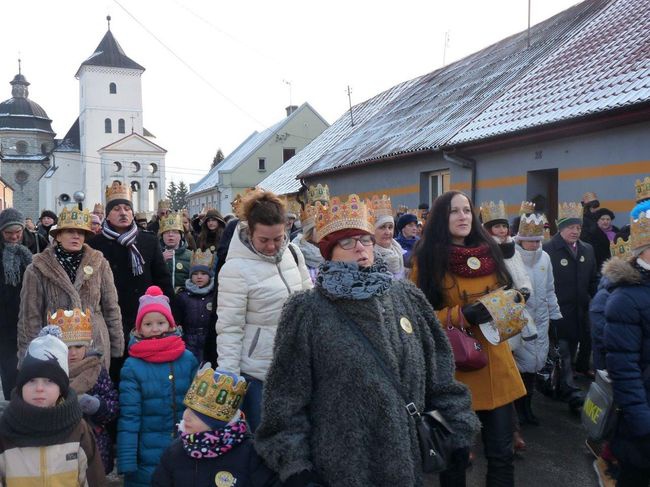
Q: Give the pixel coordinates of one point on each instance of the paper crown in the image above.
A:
(620, 248)
(164, 205)
(319, 192)
(642, 189)
(236, 202)
(308, 217)
(493, 211)
(379, 207)
(141, 215)
(526, 207)
(508, 316)
(339, 215)
(531, 227)
(589, 196)
(201, 258)
(569, 210)
(640, 231)
(73, 220)
(98, 208)
(76, 327)
(172, 221)
(218, 399)
(292, 205)
(118, 191)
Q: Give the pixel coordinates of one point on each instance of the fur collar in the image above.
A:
(47, 265)
(621, 272)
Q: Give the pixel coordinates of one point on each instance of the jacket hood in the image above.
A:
(621, 272)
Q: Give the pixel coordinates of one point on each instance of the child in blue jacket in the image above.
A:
(153, 382)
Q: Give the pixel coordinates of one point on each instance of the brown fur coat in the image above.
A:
(47, 287)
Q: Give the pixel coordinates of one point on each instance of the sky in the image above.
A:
(217, 71)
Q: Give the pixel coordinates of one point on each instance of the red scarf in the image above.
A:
(158, 350)
(463, 261)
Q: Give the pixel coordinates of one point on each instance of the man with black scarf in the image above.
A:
(14, 261)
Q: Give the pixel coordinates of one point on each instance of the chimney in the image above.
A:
(290, 109)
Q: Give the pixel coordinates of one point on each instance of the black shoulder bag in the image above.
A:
(434, 434)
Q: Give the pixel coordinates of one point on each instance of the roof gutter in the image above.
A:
(456, 157)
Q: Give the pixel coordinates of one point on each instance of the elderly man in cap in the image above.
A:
(14, 259)
(134, 255)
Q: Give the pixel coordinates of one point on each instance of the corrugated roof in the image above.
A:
(604, 66)
(109, 53)
(435, 107)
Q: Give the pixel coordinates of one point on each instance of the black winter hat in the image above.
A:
(49, 213)
(603, 211)
(405, 219)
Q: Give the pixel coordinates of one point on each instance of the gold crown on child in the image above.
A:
(491, 211)
(640, 231)
(339, 215)
(218, 399)
(380, 206)
(642, 189)
(76, 327)
(620, 248)
(200, 257)
(531, 227)
(173, 221)
(118, 191)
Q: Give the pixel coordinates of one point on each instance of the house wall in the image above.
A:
(607, 162)
(65, 180)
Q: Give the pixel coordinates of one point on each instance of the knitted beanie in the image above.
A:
(327, 243)
(565, 222)
(11, 217)
(47, 356)
(404, 220)
(154, 301)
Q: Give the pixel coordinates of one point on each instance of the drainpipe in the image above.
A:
(465, 162)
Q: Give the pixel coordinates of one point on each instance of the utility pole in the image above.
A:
(350, 102)
(444, 48)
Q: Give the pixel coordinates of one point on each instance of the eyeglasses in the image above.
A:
(351, 242)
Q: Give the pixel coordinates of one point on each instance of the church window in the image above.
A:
(287, 154)
(153, 168)
(120, 126)
(108, 126)
(112, 88)
(117, 166)
(21, 177)
(261, 164)
(135, 166)
(21, 147)
(43, 148)
(135, 186)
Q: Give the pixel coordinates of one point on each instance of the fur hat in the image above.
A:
(154, 301)
(603, 211)
(49, 213)
(46, 356)
(11, 217)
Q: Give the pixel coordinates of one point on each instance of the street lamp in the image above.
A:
(79, 197)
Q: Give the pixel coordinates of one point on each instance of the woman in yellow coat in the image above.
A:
(457, 263)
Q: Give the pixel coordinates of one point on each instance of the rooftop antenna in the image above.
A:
(528, 41)
(444, 48)
(350, 102)
(288, 83)
(19, 70)
(108, 19)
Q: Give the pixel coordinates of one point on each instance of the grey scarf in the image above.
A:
(244, 236)
(346, 280)
(392, 256)
(15, 258)
(311, 252)
(199, 291)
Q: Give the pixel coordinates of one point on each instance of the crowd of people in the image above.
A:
(270, 348)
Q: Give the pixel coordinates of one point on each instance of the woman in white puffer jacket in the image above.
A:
(261, 270)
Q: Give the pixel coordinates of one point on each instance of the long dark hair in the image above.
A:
(432, 251)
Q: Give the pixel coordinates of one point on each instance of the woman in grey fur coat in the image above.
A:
(330, 415)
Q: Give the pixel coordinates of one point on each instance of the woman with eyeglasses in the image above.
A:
(261, 271)
(332, 414)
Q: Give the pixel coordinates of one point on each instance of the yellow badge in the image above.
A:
(564, 262)
(209, 306)
(224, 479)
(473, 263)
(179, 266)
(406, 325)
(582, 258)
(88, 270)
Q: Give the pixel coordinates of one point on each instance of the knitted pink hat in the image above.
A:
(154, 301)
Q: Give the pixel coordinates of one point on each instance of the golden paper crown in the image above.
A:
(118, 191)
(318, 193)
(339, 215)
(642, 189)
(164, 205)
(508, 317)
(172, 221)
(526, 207)
(379, 207)
(292, 205)
(75, 325)
(640, 231)
(569, 210)
(531, 227)
(589, 196)
(200, 257)
(218, 399)
(491, 211)
(99, 208)
(620, 248)
(73, 219)
(308, 217)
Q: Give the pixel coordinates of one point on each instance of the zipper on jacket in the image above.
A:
(256, 338)
(282, 277)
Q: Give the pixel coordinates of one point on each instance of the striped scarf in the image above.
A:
(127, 239)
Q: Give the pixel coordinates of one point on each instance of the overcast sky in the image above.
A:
(218, 70)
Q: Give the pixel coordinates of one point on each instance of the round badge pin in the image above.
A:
(179, 266)
(224, 479)
(208, 306)
(474, 263)
(564, 262)
(88, 270)
(406, 325)
(582, 258)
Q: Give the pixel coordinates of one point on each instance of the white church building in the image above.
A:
(108, 141)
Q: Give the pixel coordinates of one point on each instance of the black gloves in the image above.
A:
(306, 478)
(476, 313)
(525, 292)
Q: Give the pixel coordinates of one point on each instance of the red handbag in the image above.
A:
(468, 352)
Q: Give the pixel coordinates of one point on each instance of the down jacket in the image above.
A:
(627, 341)
(252, 289)
(151, 405)
(541, 306)
(47, 287)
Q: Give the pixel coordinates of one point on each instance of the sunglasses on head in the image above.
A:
(351, 242)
